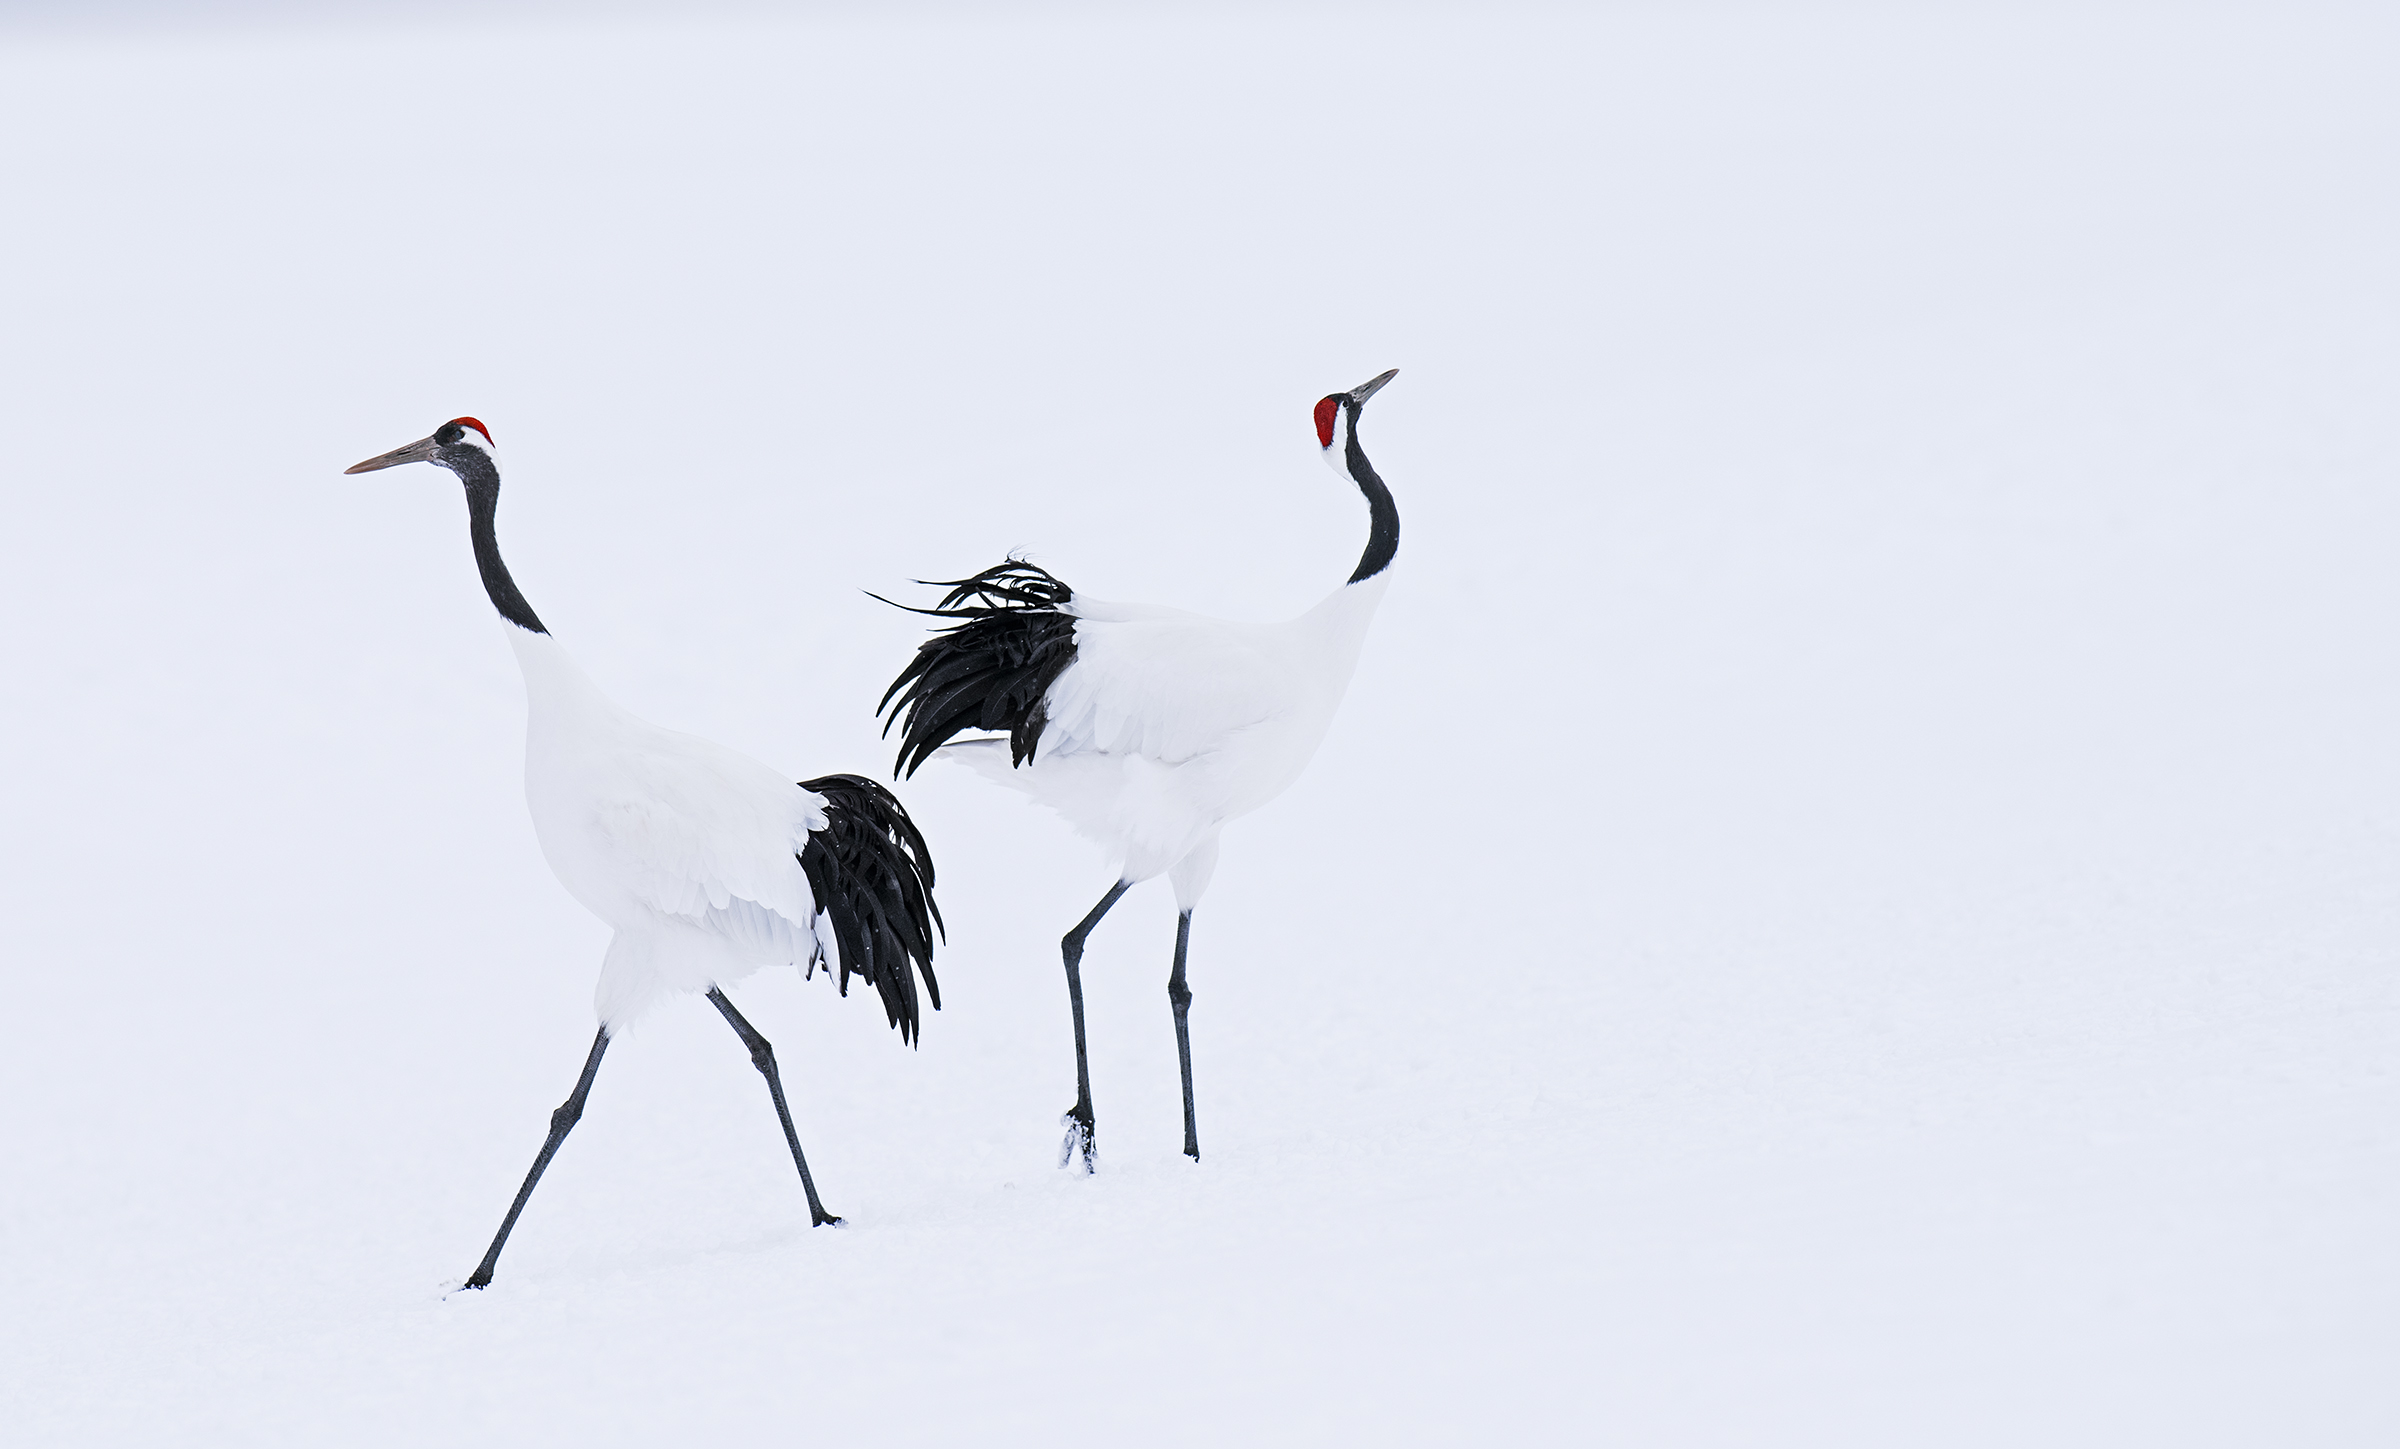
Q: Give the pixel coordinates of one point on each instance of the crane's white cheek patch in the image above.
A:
(1336, 452)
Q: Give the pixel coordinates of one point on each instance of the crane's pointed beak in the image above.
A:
(420, 451)
(1367, 389)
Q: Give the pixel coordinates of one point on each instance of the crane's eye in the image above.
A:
(1327, 408)
(476, 425)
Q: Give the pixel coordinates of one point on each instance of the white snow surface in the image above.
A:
(1854, 898)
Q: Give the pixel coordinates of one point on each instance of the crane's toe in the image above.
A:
(1078, 1122)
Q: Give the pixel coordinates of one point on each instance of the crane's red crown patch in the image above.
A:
(1326, 408)
(478, 427)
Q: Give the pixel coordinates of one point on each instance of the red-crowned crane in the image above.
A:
(1147, 728)
(706, 863)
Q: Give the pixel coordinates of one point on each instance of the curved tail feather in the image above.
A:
(990, 669)
(873, 880)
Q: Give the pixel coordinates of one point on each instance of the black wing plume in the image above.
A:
(873, 879)
(989, 670)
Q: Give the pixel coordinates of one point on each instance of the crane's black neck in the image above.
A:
(1383, 516)
(483, 503)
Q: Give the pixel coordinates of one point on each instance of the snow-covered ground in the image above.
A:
(1854, 901)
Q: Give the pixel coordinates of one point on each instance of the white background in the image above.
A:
(1854, 898)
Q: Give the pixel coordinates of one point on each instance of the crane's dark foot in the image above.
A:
(1078, 1122)
(1192, 1151)
(480, 1278)
(825, 1220)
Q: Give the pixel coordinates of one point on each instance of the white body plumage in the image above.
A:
(688, 850)
(1168, 724)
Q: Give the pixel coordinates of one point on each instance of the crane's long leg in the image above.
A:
(1180, 997)
(1078, 1118)
(562, 1122)
(762, 1056)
